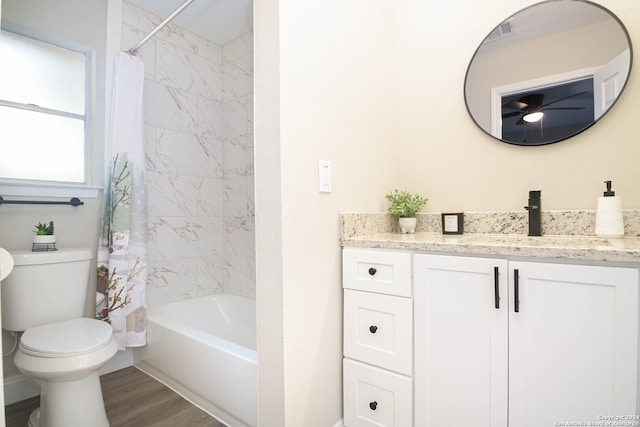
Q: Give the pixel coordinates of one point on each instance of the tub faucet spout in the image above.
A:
(534, 208)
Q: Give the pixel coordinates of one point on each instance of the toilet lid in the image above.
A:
(67, 338)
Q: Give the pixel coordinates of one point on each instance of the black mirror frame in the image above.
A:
(611, 14)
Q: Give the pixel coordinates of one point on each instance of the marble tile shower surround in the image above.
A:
(557, 223)
(199, 142)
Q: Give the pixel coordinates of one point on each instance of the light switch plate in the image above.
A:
(324, 176)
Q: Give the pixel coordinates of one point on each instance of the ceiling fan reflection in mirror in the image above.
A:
(543, 115)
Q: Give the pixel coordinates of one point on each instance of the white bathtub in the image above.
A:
(205, 350)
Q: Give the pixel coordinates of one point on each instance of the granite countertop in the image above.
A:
(566, 247)
(566, 235)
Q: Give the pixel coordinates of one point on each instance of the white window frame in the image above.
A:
(37, 188)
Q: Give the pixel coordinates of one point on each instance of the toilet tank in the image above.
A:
(45, 287)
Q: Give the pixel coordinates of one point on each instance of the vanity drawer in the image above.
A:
(378, 330)
(375, 397)
(384, 272)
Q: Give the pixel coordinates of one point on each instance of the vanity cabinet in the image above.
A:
(378, 338)
(509, 343)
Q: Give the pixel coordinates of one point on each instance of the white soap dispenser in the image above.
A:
(609, 215)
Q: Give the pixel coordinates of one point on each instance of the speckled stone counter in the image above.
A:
(566, 235)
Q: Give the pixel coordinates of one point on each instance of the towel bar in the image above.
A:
(73, 202)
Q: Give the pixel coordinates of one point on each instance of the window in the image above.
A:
(43, 121)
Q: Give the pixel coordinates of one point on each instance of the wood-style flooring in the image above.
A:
(132, 399)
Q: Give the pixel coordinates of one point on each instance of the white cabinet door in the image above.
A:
(573, 344)
(461, 354)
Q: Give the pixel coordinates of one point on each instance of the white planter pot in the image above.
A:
(407, 225)
(51, 238)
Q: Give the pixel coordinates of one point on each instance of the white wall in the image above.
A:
(323, 91)
(359, 83)
(460, 168)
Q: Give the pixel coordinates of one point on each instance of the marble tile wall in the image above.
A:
(238, 192)
(199, 147)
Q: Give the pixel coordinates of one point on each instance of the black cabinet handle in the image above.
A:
(496, 287)
(373, 405)
(516, 291)
(372, 271)
(373, 329)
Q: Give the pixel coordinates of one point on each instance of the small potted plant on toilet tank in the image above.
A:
(404, 206)
(44, 233)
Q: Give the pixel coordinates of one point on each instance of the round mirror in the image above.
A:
(548, 72)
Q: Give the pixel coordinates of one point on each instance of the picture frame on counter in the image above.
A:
(453, 223)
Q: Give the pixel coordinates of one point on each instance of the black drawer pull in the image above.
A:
(516, 291)
(496, 287)
(373, 329)
(373, 405)
(372, 271)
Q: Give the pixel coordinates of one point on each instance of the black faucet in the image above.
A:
(534, 208)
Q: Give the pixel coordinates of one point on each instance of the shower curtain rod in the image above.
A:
(175, 13)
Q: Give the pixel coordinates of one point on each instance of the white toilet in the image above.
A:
(45, 296)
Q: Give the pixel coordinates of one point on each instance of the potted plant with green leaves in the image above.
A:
(45, 233)
(404, 206)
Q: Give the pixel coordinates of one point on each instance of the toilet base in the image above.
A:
(34, 418)
(76, 403)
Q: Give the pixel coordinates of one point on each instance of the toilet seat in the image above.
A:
(67, 338)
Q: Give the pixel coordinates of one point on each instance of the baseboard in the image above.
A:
(18, 388)
(339, 424)
(209, 407)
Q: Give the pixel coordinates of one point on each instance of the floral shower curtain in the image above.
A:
(122, 248)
